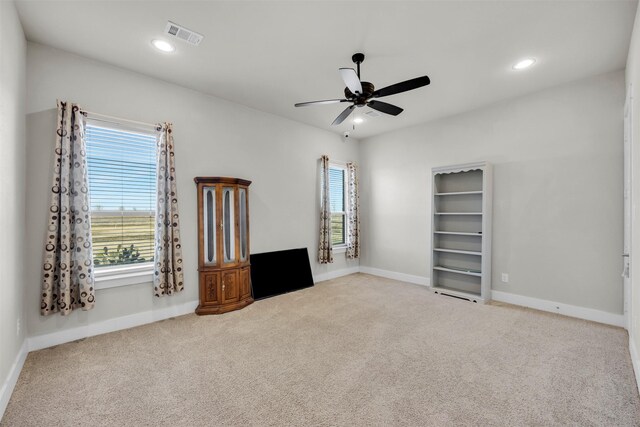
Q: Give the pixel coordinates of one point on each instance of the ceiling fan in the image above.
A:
(360, 93)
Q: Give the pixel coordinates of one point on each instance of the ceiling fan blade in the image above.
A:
(327, 101)
(343, 115)
(351, 79)
(385, 108)
(402, 87)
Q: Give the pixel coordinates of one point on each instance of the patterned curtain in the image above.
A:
(325, 251)
(68, 261)
(353, 212)
(167, 275)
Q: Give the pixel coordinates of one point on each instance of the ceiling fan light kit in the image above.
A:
(360, 93)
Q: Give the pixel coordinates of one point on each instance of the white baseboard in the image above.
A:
(418, 280)
(39, 342)
(335, 274)
(538, 304)
(560, 308)
(11, 380)
(635, 361)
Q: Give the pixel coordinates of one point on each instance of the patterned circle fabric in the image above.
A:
(353, 214)
(68, 260)
(325, 250)
(168, 275)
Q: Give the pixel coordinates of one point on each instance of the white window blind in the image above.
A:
(122, 187)
(337, 205)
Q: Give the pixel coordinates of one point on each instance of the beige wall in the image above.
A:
(213, 137)
(557, 225)
(633, 79)
(12, 186)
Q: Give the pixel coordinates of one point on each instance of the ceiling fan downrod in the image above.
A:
(358, 58)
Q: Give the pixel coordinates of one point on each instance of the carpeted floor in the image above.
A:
(359, 350)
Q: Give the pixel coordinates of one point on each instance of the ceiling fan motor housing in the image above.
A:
(360, 100)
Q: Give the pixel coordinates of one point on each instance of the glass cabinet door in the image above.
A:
(242, 194)
(228, 225)
(209, 224)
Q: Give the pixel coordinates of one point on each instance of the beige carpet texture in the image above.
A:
(358, 350)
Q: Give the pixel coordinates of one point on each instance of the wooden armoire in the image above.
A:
(223, 244)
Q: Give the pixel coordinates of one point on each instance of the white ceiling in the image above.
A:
(271, 54)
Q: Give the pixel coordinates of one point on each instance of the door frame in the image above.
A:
(628, 210)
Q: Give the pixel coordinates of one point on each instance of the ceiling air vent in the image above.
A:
(372, 113)
(183, 34)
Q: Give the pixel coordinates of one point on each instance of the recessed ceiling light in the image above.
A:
(358, 120)
(525, 63)
(162, 45)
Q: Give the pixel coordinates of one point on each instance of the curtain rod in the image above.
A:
(338, 162)
(119, 120)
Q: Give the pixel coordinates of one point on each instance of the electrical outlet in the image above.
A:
(18, 328)
(505, 277)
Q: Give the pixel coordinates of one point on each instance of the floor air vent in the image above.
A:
(456, 296)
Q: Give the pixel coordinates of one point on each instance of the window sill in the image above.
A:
(113, 277)
(339, 249)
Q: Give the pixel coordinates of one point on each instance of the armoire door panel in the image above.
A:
(230, 291)
(228, 225)
(245, 282)
(211, 286)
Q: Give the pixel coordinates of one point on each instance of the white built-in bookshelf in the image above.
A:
(461, 231)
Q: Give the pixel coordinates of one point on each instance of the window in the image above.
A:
(122, 188)
(337, 199)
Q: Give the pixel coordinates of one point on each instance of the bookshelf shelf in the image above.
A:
(459, 193)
